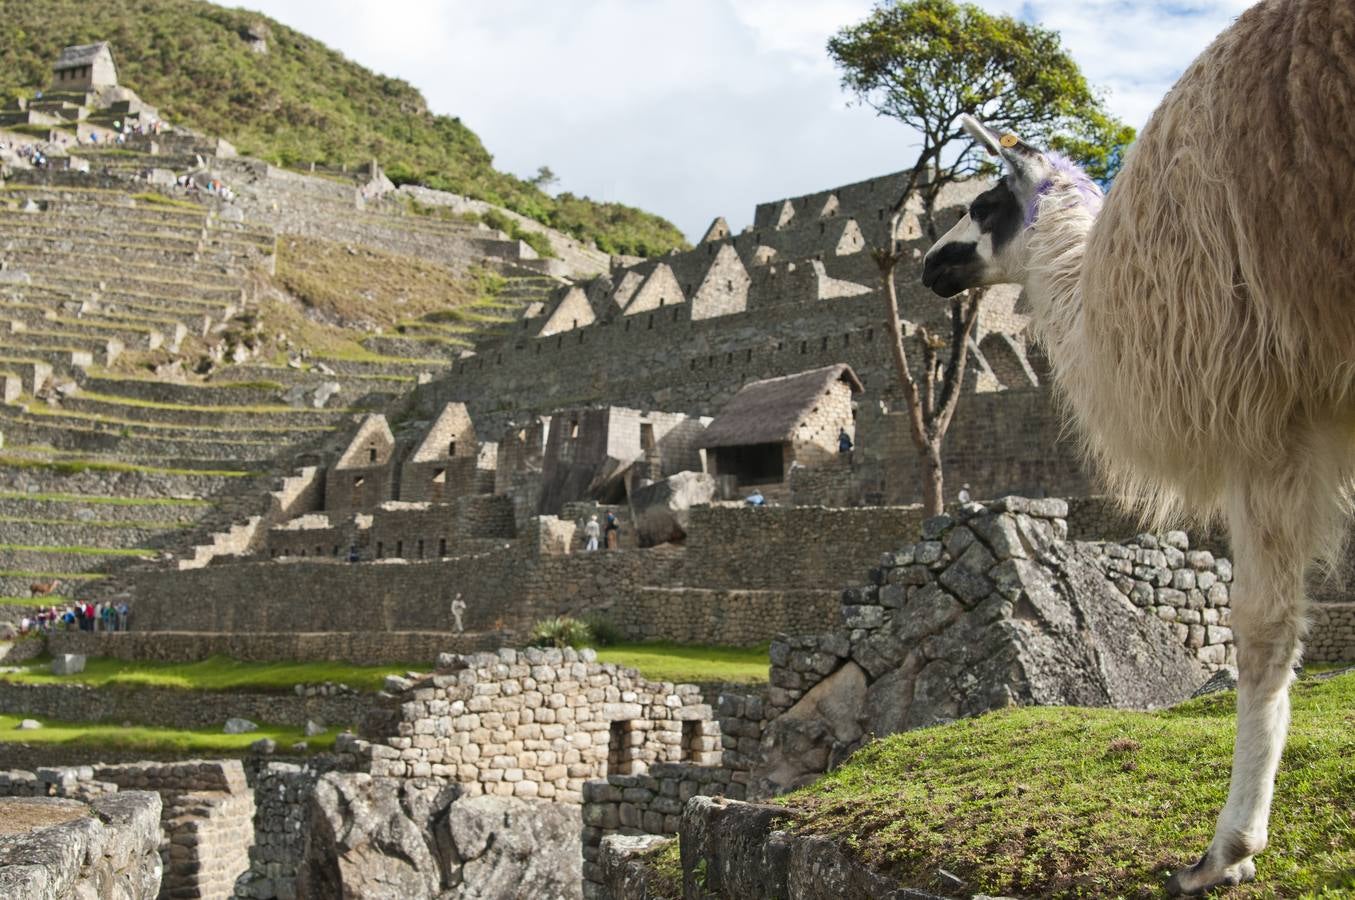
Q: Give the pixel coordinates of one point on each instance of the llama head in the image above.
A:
(988, 244)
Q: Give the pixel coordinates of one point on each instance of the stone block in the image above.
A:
(68, 664)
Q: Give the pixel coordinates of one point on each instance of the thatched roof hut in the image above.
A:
(771, 424)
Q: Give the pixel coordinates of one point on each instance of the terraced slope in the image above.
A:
(106, 463)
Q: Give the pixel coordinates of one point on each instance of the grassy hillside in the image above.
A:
(300, 102)
(1093, 803)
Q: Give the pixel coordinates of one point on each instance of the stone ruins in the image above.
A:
(732, 407)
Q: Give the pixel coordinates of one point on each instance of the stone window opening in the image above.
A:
(748, 355)
(691, 740)
(729, 284)
(582, 334)
(627, 328)
(273, 552)
(804, 346)
(336, 550)
(358, 481)
(559, 342)
(371, 454)
(302, 553)
(675, 313)
(821, 228)
(380, 550)
(870, 335)
(420, 548)
(400, 549)
(625, 740)
(651, 317)
(574, 429)
(880, 214)
(439, 483)
(442, 546)
(646, 436)
(319, 551)
(847, 340)
(824, 346)
(451, 451)
(729, 358)
(538, 349)
(693, 367)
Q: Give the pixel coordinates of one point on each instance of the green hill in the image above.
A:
(301, 102)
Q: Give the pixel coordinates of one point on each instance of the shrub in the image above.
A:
(605, 631)
(561, 632)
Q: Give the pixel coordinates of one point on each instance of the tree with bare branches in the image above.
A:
(926, 63)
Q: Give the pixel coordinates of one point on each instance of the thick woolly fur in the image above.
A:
(1202, 333)
(1208, 337)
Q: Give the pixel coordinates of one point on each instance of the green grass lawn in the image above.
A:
(664, 661)
(154, 740)
(214, 674)
(1054, 802)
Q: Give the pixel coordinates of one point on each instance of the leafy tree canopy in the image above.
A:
(298, 103)
(925, 62)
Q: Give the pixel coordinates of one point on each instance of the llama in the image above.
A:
(43, 588)
(1198, 325)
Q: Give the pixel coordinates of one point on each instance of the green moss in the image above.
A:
(161, 200)
(664, 661)
(99, 500)
(73, 551)
(1065, 803)
(76, 466)
(217, 673)
(153, 740)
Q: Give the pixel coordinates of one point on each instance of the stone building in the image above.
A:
(448, 462)
(775, 423)
(361, 477)
(84, 67)
(594, 454)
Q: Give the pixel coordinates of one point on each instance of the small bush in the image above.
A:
(561, 632)
(605, 631)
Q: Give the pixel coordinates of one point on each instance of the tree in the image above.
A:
(926, 63)
(544, 178)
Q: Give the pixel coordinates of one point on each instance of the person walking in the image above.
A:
(592, 531)
(612, 532)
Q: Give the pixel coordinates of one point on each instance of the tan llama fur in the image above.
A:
(1201, 330)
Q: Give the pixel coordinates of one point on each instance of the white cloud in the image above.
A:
(698, 108)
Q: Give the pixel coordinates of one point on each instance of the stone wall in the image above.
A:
(1332, 635)
(106, 847)
(724, 617)
(170, 708)
(281, 794)
(537, 724)
(780, 548)
(205, 815)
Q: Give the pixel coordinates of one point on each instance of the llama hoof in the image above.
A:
(1201, 878)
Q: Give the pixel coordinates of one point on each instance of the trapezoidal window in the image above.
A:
(439, 484)
(694, 742)
(371, 454)
(358, 482)
(646, 436)
(420, 550)
(442, 546)
(451, 448)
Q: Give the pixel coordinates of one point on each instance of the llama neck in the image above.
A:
(1056, 244)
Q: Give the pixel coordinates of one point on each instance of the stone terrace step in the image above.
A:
(134, 514)
(217, 292)
(214, 416)
(15, 583)
(45, 470)
(62, 331)
(20, 558)
(36, 415)
(225, 452)
(31, 531)
(227, 392)
(101, 350)
(61, 359)
(34, 372)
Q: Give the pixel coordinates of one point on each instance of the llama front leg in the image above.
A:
(1267, 606)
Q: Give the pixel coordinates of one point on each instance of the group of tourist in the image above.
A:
(192, 185)
(26, 150)
(593, 531)
(81, 615)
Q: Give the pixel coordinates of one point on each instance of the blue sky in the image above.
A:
(699, 108)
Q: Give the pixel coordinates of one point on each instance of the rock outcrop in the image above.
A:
(660, 509)
(59, 849)
(407, 839)
(992, 608)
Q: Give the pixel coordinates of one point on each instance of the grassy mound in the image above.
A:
(299, 103)
(1054, 802)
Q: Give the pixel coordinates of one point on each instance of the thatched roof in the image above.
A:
(768, 412)
(80, 55)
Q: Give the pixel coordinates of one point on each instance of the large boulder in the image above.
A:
(413, 839)
(495, 847)
(661, 509)
(817, 732)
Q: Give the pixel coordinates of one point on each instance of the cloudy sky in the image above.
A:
(698, 108)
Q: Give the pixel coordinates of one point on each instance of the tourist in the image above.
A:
(592, 531)
(122, 615)
(755, 498)
(458, 609)
(613, 531)
(844, 441)
(353, 553)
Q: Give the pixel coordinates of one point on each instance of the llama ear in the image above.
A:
(1018, 156)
